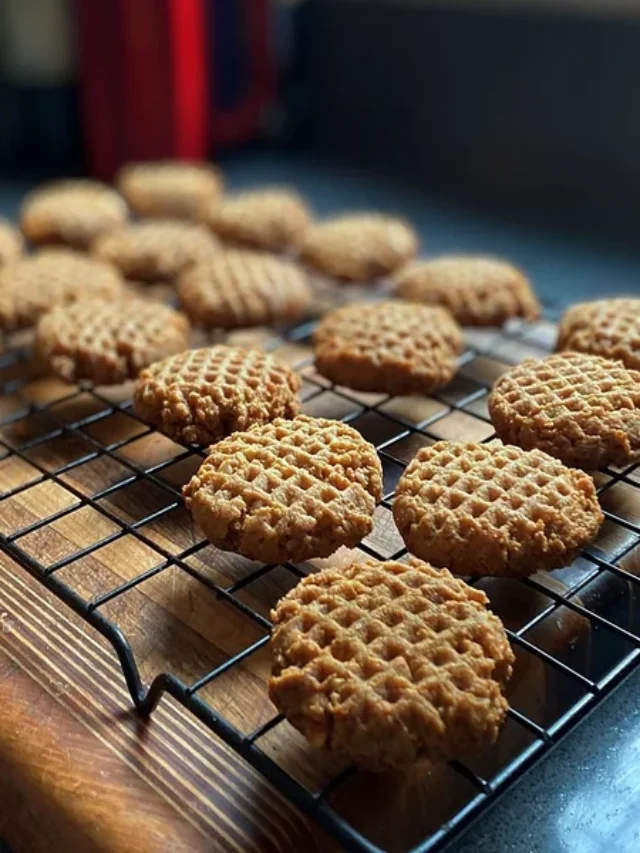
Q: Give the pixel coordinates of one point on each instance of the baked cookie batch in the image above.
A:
(381, 663)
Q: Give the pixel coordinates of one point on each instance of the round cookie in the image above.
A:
(201, 396)
(238, 289)
(487, 509)
(11, 242)
(582, 409)
(287, 490)
(271, 219)
(386, 664)
(478, 291)
(74, 212)
(606, 327)
(392, 347)
(34, 284)
(169, 188)
(158, 250)
(108, 342)
(359, 247)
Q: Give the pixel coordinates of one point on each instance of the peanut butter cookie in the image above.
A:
(34, 284)
(74, 212)
(478, 291)
(393, 347)
(169, 188)
(487, 509)
(11, 242)
(359, 247)
(108, 342)
(582, 409)
(158, 250)
(385, 664)
(239, 289)
(606, 327)
(271, 219)
(288, 490)
(201, 396)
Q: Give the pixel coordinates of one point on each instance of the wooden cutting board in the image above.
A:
(80, 771)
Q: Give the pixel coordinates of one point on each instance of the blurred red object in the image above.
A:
(171, 78)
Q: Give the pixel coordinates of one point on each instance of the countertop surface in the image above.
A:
(583, 797)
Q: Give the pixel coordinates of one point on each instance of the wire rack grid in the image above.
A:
(576, 632)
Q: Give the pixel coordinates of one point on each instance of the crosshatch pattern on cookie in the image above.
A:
(582, 409)
(606, 327)
(289, 490)
(390, 662)
(489, 509)
(201, 396)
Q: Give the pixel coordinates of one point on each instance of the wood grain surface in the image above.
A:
(81, 771)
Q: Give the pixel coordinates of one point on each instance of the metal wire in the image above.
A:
(461, 397)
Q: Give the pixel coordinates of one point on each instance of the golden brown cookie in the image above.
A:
(487, 509)
(272, 219)
(11, 242)
(359, 247)
(108, 342)
(158, 250)
(74, 212)
(201, 396)
(393, 347)
(35, 284)
(238, 289)
(478, 291)
(582, 409)
(169, 188)
(385, 664)
(606, 327)
(287, 490)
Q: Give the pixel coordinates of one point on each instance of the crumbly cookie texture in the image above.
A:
(386, 664)
(606, 327)
(393, 347)
(272, 219)
(582, 409)
(11, 242)
(487, 509)
(158, 250)
(169, 188)
(74, 212)
(288, 490)
(238, 289)
(359, 247)
(34, 284)
(108, 342)
(478, 291)
(201, 396)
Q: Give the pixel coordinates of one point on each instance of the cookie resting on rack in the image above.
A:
(490, 509)
(156, 250)
(239, 289)
(392, 347)
(11, 242)
(201, 396)
(169, 188)
(73, 212)
(478, 291)
(50, 278)
(582, 409)
(290, 490)
(359, 246)
(272, 219)
(108, 342)
(607, 327)
(386, 664)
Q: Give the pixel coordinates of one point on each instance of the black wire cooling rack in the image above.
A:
(576, 631)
